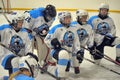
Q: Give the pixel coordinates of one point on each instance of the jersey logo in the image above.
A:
(82, 34)
(103, 28)
(68, 39)
(16, 44)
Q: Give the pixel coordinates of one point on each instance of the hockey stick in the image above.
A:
(45, 60)
(102, 66)
(3, 5)
(105, 56)
(7, 48)
(112, 60)
(5, 16)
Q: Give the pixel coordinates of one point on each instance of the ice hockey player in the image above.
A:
(28, 68)
(39, 21)
(64, 42)
(17, 39)
(85, 32)
(105, 32)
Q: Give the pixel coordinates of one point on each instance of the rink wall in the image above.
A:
(71, 5)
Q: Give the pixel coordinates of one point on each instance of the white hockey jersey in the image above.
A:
(35, 19)
(102, 28)
(67, 37)
(85, 33)
(8, 36)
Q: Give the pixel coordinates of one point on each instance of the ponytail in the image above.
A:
(14, 74)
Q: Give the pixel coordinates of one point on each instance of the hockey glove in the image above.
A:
(55, 43)
(80, 55)
(109, 39)
(108, 36)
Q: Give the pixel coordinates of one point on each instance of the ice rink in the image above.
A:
(88, 70)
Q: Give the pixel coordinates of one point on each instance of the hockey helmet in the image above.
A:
(30, 63)
(15, 17)
(104, 5)
(50, 11)
(81, 13)
(61, 17)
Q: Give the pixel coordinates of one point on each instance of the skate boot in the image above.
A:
(45, 67)
(76, 70)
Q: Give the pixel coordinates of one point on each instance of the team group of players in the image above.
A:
(62, 45)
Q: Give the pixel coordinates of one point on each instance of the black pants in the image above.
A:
(106, 42)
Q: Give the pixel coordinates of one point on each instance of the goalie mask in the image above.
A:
(30, 63)
(68, 39)
(17, 45)
(103, 28)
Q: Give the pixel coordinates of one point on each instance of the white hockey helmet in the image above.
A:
(15, 17)
(63, 14)
(104, 5)
(80, 13)
(29, 63)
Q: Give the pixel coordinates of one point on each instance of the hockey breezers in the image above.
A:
(105, 57)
